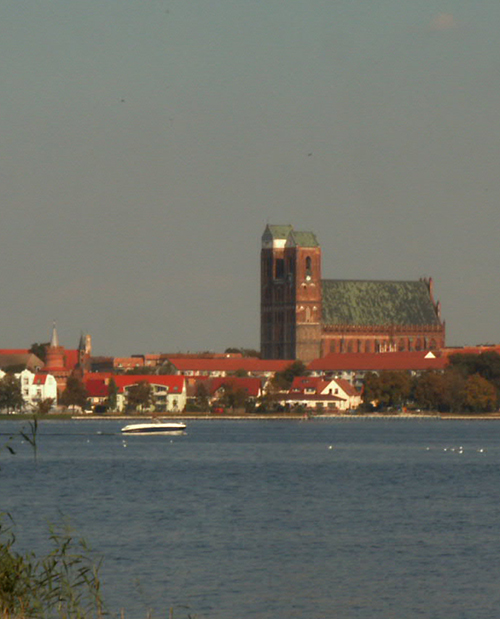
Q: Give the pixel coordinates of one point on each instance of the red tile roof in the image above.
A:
(378, 361)
(174, 383)
(225, 364)
(14, 351)
(251, 385)
(96, 388)
(95, 383)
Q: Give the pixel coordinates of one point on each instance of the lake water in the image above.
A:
(274, 519)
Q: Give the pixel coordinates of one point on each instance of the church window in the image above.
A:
(280, 268)
(308, 267)
(269, 267)
(332, 346)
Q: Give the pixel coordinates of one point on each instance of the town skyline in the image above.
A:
(147, 146)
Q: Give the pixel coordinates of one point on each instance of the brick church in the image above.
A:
(306, 317)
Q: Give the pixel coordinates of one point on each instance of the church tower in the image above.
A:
(275, 307)
(290, 294)
(303, 253)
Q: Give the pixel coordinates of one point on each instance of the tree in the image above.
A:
(112, 398)
(43, 407)
(140, 396)
(245, 352)
(11, 398)
(202, 396)
(430, 391)
(371, 390)
(479, 395)
(283, 380)
(387, 389)
(75, 393)
(40, 350)
(233, 396)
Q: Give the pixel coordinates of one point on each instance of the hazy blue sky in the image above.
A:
(146, 143)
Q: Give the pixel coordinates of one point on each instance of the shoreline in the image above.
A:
(263, 417)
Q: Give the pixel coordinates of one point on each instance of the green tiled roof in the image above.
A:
(304, 239)
(278, 232)
(357, 302)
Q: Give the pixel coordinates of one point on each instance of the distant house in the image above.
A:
(314, 392)
(37, 387)
(216, 387)
(169, 391)
(19, 357)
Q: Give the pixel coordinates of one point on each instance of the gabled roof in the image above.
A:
(371, 303)
(301, 383)
(302, 239)
(378, 361)
(276, 232)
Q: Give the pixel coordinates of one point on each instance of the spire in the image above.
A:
(82, 342)
(54, 341)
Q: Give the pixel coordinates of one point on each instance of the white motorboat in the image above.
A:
(154, 427)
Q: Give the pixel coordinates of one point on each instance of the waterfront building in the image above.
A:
(37, 387)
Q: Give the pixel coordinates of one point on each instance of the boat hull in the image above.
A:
(153, 428)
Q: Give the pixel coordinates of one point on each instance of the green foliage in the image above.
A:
(245, 352)
(283, 380)
(75, 393)
(64, 583)
(430, 391)
(388, 389)
(11, 398)
(233, 396)
(112, 398)
(240, 373)
(140, 397)
(479, 394)
(202, 397)
(40, 350)
(44, 406)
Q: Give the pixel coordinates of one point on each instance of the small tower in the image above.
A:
(55, 361)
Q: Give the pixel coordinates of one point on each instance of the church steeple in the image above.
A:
(54, 340)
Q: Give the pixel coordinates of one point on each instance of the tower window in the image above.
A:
(280, 268)
(308, 265)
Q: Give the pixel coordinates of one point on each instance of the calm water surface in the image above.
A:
(274, 519)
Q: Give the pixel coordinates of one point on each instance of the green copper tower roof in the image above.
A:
(304, 239)
(277, 232)
(370, 303)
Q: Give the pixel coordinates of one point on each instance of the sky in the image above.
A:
(147, 143)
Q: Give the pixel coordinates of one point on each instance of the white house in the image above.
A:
(330, 394)
(37, 387)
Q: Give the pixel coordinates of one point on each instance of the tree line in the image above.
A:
(470, 383)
